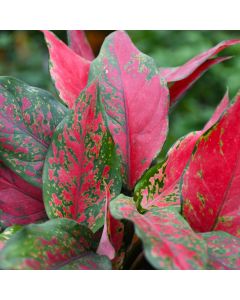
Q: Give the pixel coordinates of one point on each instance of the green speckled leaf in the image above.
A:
(28, 117)
(223, 250)
(56, 244)
(168, 240)
(80, 160)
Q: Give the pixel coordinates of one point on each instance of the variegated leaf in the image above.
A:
(56, 244)
(168, 240)
(160, 185)
(28, 117)
(211, 184)
(80, 160)
(135, 101)
(223, 250)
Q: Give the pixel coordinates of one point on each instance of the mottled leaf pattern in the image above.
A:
(160, 185)
(20, 202)
(223, 250)
(210, 186)
(69, 71)
(128, 81)
(28, 117)
(80, 160)
(168, 240)
(56, 244)
(181, 78)
(79, 44)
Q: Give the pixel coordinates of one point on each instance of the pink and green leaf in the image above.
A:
(69, 71)
(20, 202)
(28, 118)
(56, 244)
(181, 78)
(159, 186)
(79, 44)
(80, 161)
(128, 81)
(168, 240)
(223, 250)
(211, 183)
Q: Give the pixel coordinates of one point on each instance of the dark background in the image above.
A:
(23, 54)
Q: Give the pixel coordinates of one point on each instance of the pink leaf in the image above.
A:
(160, 185)
(79, 44)
(69, 71)
(181, 78)
(20, 202)
(210, 189)
(136, 103)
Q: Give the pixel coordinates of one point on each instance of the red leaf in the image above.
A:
(81, 158)
(135, 101)
(223, 250)
(69, 71)
(168, 240)
(160, 185)
(184, 76)
(210, 189)
(20, 202)
(79, 44)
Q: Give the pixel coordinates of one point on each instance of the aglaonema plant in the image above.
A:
(78, 185)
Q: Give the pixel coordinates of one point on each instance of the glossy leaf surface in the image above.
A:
(78, 43)
(20, 202)
(56, 244)
(160, 185)
(69, 71)
(135, 101)
(181, 78)
(210, 185)
(28, 117)
(168, 240)
(80, 160)
(7, 234)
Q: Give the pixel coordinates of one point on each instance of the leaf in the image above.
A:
(181, 78)
(210, 186)
(223, 250)
(20, 202)
(80, 160)
(69, 71)
(105, 246)
(159, 186)
(56, 244)
(7, 234)
(128, 82)
(112, 240)
(79, 44)
(28, 117)
(168, 240)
